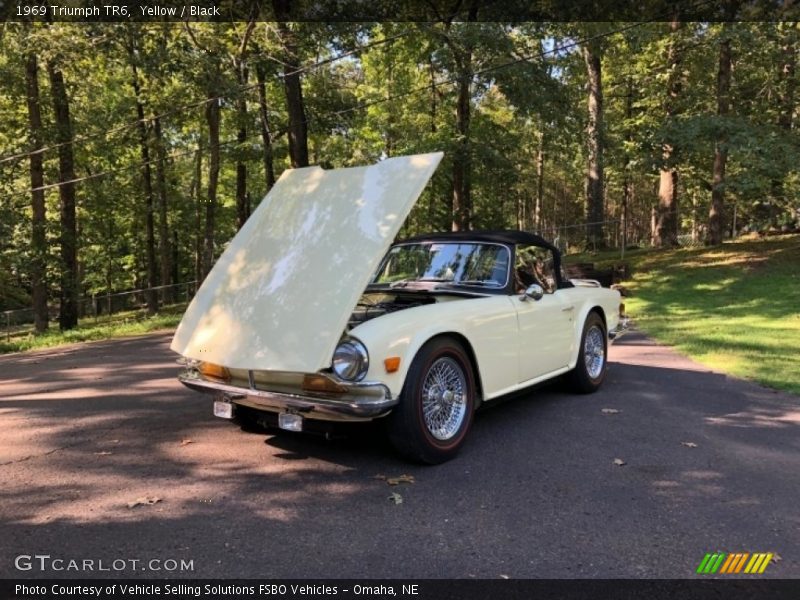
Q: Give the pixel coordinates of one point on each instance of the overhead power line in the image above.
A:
(198, 103)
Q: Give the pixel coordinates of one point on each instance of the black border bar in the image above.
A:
(423, 589)
(328, 11)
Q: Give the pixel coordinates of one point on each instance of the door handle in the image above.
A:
(568, 308)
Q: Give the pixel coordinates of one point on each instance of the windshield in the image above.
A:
(484, 265)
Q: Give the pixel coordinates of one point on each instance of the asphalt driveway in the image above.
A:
(711, 463)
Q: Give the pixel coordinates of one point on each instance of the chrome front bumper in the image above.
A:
(361, 401)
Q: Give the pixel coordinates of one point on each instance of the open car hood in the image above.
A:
(280, 295)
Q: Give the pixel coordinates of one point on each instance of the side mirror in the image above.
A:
(534, 291)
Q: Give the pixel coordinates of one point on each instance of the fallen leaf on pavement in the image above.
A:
(186, 442)
(619, 462)
(689, 444)
(609, 411)
(144, 501)
(396, 498)
(400, 479)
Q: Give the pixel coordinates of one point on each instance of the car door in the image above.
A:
(546, 325)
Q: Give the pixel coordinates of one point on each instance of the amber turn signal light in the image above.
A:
(214, 371)
(320, 383)
(392, 364)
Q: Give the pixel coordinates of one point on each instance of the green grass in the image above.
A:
(734, 308)
(122, 325)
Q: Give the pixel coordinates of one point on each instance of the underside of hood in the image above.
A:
(280, 295)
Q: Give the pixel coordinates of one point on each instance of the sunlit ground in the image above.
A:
(735, 308)
(120, 324)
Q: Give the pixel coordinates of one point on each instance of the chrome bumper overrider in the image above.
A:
(361, 402)
(619, 330)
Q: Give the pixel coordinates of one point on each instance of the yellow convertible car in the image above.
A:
(312, 315)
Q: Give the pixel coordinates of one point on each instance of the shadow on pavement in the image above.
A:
(710, 463)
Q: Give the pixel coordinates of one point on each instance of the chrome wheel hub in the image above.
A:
(444, 398)
(594, 351)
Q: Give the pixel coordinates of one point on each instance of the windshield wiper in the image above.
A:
(477, 283)
(407, 281)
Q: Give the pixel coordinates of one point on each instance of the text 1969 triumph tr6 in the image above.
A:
(306, 317)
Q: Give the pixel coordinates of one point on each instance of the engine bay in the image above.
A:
(372, 305)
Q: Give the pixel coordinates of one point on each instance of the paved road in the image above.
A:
(535, 493)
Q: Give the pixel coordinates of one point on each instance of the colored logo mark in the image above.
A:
(736, 562)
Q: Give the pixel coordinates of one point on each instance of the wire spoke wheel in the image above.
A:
(594, 351)
(444, 402)
(437, 405)
(590, 369)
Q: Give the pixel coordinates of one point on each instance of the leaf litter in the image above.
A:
(396, 480)
(144, 501)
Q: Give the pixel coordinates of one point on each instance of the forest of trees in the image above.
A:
(130, 153)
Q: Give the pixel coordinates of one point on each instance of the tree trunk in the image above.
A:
(147, 182)
(68, 310)
(716, 215)
(241, 138)
(537, 211)
(666, 230)
(432, 76)
(462, 158)
(298, 128)
(242, 76)
(594, 137)
(197, 195)
(266, 134)
(213, 121)
(785, 100)
(164, 240)
(175, 275)
(39, 220)
(627, 183)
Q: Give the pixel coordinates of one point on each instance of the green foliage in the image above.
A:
(395, 96)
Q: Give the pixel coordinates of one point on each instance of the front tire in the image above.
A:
(590, 370)
(437, 404)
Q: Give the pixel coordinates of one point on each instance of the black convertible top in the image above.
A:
(502, 236)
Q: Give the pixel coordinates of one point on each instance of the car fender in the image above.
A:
(488, 325)
(589, 299)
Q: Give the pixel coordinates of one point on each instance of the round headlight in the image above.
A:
(350, 360)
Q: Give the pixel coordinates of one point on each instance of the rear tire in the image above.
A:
(437, 404)
(590, 370)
